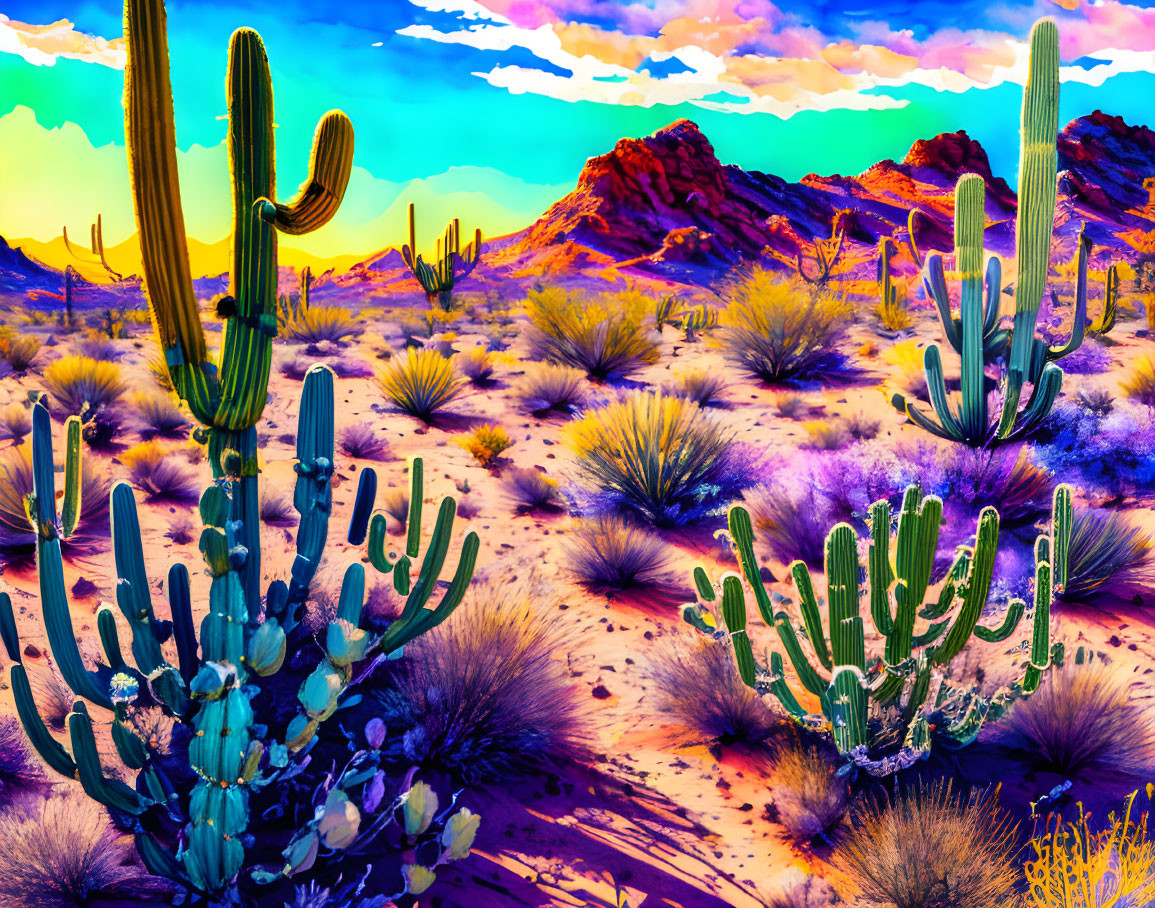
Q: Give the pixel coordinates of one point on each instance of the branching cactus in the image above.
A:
(826, 254)
(96, 241)
(976, 335)
(453, 262)
(247, 703)
(226, 398)
(1106, 321)
(909, 679)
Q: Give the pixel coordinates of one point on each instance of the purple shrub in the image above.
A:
(362, 442)
(608, 554)
(277, 508)
(296, 365)
(530, 490)
(489, 692)
(20, 772)
(1090, 358)
(161, 475)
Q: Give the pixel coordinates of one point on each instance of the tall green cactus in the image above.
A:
(1106, 321)
(976, 335)
(191, 805)
(912, 665)
(453, 262)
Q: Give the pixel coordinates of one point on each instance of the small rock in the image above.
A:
(600, 692)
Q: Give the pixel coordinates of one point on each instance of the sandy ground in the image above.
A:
(678, 826)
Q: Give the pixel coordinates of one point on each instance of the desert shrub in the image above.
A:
(18, 350)
(83, 386)
(182, 530)
(20, 772)
(929, 846)
(552, 387)
(1083, 715)
(695, 685)
(790, 521)
(64, 854)
(1103, 452)
(17, 539)
(603, 336)
(155, 471)
(363, 442)
(1107, 548)
(772, 331)
(489, 691)
(894, 316)
(607, 553)
(826, 434)
(95, 345)
(395, 503)
(15, 422)
(906, 358)
(660, 457)
(54, 698)
(861, 426)
(803, 890)
(420, 383)
(1073, 866)
(159, 414)
(809, 795)
(477, 364)
(321, 324)
(531, 490)
(1139, 384)
(486, 443)
(276, 507)
(703, 386)
(296, 365)
(792, 405)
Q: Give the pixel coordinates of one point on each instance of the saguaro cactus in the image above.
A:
(453, 262)
(910, 674)
(976, 334)
(96, 241)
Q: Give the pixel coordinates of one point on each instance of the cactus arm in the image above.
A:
(734, 617)
(702, 584)
(1106, 320)
(362, 506)
(416, 502)
(811, 617)
(377, 556)
(330, 164)
(184, 631)
(70, 507)
(50, 750)
(1079, 326)
(917, 542)
(930, 635)
(150, 135)
(807, 674)
(1062, 525)
(8, 632)
(934, 281)
(781, 689)
(970, 200)
(132, 591)
(158, 859)
(1010, 621)
(1042, 399)
(846, 634)
(1038, 167)
(742, 540)
(936, 386)
(993, 341)
(911, 220)
(110, 640)
(848, 707)
(1040, 658)
(112, 793)
(975, 589)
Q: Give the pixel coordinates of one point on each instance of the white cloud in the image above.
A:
(42, 45)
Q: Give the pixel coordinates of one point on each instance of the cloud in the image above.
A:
(748, 56)
(42, 45)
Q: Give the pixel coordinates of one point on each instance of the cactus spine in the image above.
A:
(912, 666)
(453, 262)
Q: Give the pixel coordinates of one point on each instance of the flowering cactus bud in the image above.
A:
(267, 648)
(459, 834)
(346, 643)
(420, 807)
(375, 733)
(417, 878)
(123, 688)
(340, 820)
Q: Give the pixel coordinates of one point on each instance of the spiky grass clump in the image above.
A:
(18, 350)
(54, 698)
(15, 422)
(809, 795)
(704, 387)
(1084, 716)
(486, 443)
(421, 383)
(155, 471)
(695, 686)
(660, 457)
(20, 772)
(158, 369)
(606, 553)
(159, 414)
(17, 539)
(790, 521)
(276, 507)
(321, 324)
(361, 441)
(65, 854)
(1139, 384)
(531, 490)
(1106, 548)
(603, 336)
(181, 529)
(490, 690)
(929, 846)
(550, 387)
(83, 386)
(804, 891)
(477, 364)
(773, 332)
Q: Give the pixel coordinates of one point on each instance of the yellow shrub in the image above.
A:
(317, 324)
(83, 386)
(420, 383)
(906, 357)
(18, 349)
(1140, 383)
(485, 443)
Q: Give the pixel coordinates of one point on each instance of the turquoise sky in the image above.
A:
(487, 109)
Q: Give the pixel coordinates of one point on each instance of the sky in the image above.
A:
(486, 109)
